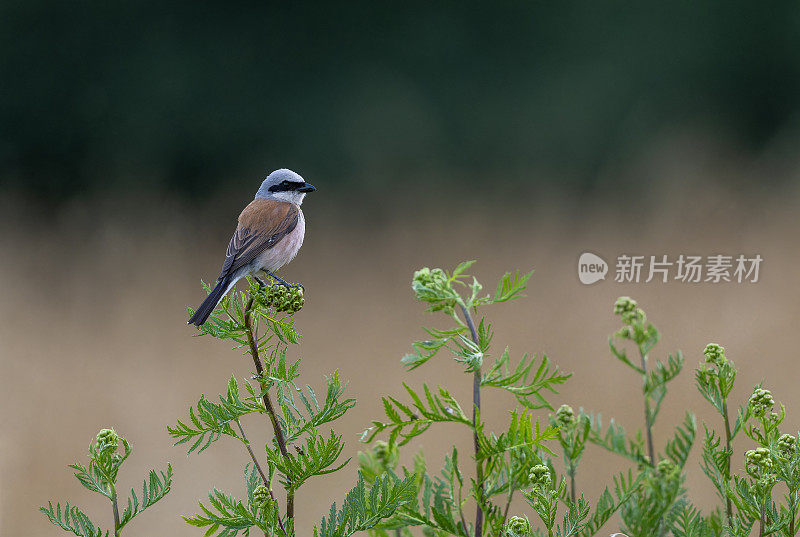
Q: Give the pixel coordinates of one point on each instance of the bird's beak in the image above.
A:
(307, 187)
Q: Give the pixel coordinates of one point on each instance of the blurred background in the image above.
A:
(520, 134)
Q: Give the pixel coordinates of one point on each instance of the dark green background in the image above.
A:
(190, 97)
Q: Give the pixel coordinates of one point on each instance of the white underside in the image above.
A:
(283, 252)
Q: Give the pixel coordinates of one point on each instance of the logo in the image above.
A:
(717, 268)
(591, 268)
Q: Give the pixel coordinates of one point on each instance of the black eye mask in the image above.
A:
(286, 186)
(292, 186)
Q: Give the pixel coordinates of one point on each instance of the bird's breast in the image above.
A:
(286, 249)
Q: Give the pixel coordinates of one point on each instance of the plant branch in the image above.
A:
(115, 507)
(476, 408)
(258, 467)
(508, 505)
(572, 492)
(648, 425)
(728, 503)
(276, 426)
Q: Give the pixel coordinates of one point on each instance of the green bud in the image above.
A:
(386, 454)
(107, 441)
(565, 416)
(519, 526)
(767, 480)
(261, 496)
(666, 467)
(715, 354)
(787, 445)
(633, 317)
(540, 476)
(624, 304)
(429, 285)
(626, 332)
(760, 402)
(758, 461)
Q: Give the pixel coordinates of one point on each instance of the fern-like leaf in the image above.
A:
(364, 507)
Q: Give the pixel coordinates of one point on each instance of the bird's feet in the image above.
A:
(283, 282)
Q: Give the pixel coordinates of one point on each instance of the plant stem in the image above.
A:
(116, 510)
(761, 519)
(273, 417)
(572, 491)
(728, 503)
(476, 408)
(508, 505)
(258, 467)
(648, 425)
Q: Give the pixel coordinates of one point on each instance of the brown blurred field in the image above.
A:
(93, 333)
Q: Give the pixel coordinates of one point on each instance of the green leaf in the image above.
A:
(72, 519)
(622, 356)
(363, 507)
(461, 268)
(225, 516)
(525, 383)
(426, 349)
(152, 491)
(522, 434)
(616, 440)
(211, 420)
(662, 374)
(91, 478)
(511, 287)
(679, 447)
(317, 457)
(690, 523)
(313, 416)
(408, 421)
(624, 488)
(575, 519)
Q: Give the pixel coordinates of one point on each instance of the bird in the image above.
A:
(270, 232)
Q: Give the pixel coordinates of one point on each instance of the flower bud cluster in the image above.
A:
(666, 468)
(626, 308)
(281, 298)
(540, 476)
(760, 402)
(261, 496)
(426, 277)
(565, 416)
(758, 461)
(386, 454)
(787, 445)
(624, 304)
(433, 286)
(519, 526)
(107, 441)
(715, 354)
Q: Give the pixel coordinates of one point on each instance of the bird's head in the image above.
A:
(284, 185)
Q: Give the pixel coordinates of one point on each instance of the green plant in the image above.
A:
(516, 461)
(535, 457)
(100, 476)
(773, 462)
(661, 498)
(260, 321)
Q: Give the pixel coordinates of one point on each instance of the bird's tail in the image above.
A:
(211, 301)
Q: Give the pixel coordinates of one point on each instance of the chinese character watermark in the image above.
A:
(629, 268)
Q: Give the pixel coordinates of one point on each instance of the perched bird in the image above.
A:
(270, 232)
